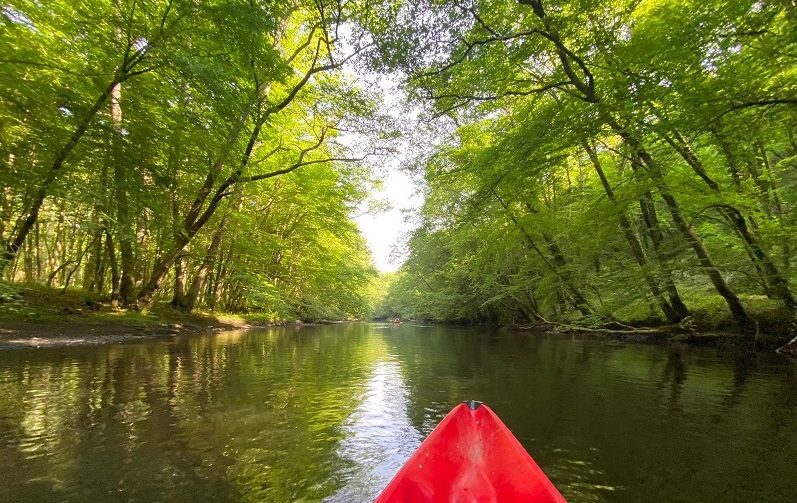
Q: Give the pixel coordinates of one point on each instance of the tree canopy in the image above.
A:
(187, 151)
(609, 160)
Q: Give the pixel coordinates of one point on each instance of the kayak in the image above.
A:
(471, 456)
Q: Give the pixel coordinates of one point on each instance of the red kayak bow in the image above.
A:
(470, 456)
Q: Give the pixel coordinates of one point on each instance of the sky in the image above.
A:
(383, 230)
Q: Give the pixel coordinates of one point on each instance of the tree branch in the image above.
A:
(756, 103)
(510, 92)
(312, 71)
(469, 47)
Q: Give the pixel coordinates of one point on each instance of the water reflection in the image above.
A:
(674, 373)
(379, 435)
(329, 413)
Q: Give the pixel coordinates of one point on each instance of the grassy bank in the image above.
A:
(709, 313)
(37, 312)
(771, 324)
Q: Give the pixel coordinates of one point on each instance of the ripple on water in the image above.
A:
(378, 435)
(333, 412)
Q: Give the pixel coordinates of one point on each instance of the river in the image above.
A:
(330, 413)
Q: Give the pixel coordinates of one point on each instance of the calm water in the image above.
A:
(330, 413)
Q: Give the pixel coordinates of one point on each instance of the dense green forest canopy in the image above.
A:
(603, 160)
(610, 160)
(192, 152)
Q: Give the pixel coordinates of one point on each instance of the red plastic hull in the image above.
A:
(471, 456)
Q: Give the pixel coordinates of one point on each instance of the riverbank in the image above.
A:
(754, 342)
(770, 326)
(35, 316)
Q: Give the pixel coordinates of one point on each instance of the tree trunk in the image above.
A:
(579, 301)
(650, 221)
(94, 274)
(730, 157)
(5, 199)
(207, 263)
(776, 284)
(780, 212)
(637, 251)
(179, 299)
(120, 184)
(94, 257)
(159, 270)
(114, 267)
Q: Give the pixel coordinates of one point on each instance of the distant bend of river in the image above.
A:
(330, 413)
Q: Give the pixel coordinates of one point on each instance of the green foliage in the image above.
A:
(594, 161)
(147, 147)
(685, 109)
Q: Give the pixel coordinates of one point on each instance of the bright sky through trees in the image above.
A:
(384, 229)
(533, 160)
(386, 223)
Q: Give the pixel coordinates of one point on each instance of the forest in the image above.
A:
(203, 154)
(610, 161)
(604, 162)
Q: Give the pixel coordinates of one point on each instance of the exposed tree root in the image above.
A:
(790, 348)
(685, 326)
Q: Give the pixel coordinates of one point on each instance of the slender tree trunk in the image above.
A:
(637, 251)
(205, 266)
(198, 283)
(780, 212)
(210, 287)
(104, 231)
(99, 272)
(5, 199)
(579, 301)
(114, 267)
(94, 255)
(121, 181)
(159, 270)
(179, 299)
(80, 252)
(28, 261)
(730, 157)
(652, 228)
(221, 282)
(61, 244)
(755, 167)
(36, 248)
(771, 184)
(776, 283)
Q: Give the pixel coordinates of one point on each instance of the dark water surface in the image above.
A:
(330, 413)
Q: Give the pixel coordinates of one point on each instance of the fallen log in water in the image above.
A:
(685, 326)
(789, 349)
